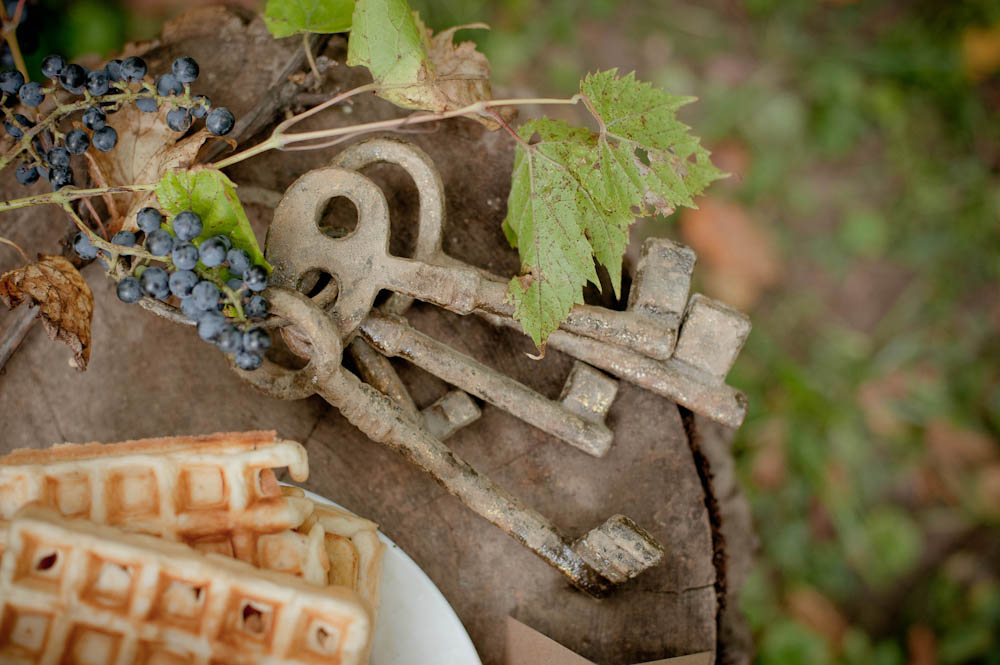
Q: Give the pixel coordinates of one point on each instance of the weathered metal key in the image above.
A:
(362, 266)
(603, 558)
(711, 336)
(585, 430)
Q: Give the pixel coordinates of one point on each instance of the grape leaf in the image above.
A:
(574, 193)
(413, 69)
(212, 195)
(290, 17)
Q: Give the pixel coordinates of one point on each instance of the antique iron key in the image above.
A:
(606, 556)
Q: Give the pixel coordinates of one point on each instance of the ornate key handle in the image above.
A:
(605, 557)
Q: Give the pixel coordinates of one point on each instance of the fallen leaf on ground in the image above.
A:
(921, 645)
(146, 150)
(739, 257)
(65, 302)
(814, 610)
(953, 446)
(981, 51)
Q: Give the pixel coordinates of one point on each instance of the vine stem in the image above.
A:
(64, 196)
(280, 140)
(10, 36)
(312, 61)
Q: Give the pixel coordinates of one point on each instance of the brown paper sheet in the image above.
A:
(526, 646)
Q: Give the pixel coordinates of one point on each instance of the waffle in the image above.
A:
(74, 592)
(352, 548)
(201, 490)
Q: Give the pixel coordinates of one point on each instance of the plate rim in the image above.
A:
(450, 611)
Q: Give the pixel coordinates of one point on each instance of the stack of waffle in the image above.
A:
(178, 551)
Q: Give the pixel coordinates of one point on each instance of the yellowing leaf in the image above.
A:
(575, 192)
(65, 302)
(413, 69)
(212, 195)
(146, 149)
(289, 17)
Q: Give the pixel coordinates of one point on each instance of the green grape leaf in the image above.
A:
(574, 192)
(412, 68)
(290, 17)
(212, 195)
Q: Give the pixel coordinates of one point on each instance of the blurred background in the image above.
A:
(859, 229)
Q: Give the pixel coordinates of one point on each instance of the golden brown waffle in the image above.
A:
(76, 592)
(197, 489)
(352, 547)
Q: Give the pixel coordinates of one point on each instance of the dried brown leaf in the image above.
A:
(146, 149)
(811, 608)
(65, 301)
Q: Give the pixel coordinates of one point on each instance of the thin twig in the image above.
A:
(312, 62)
(66, 195)
(10, 35)
(24, 318)
(97, 218)
(13, 244)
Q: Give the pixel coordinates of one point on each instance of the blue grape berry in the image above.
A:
(256, 340)
(133, 68)
(105, 138)
(159, 242)
(124, 238)
(248, 361)
(257, 307)
(190, 309)
(16, 129)
(147, 104)
(185, 256)
(179, 119)
(27, 174)
(52, 65)
(200, 106)
(60, 176)
(185, 70)
(77, 141)
(58, 157)
(149, 219)
(94, 118)
(73, 78)
(230, 340)
(98, 82)
(212, 252)
(239, 261)
(129, 290)
(220, 121)
(114, 70)
(235, 283)
(31, 94)
(167, 85)
(182, 282)
(210, 325)
(206, 295)
(82, 246)
(187, 225)
(155, 283)
(11, 81)
(255, 278)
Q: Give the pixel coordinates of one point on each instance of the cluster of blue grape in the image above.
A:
(50, 157)
(200, 298)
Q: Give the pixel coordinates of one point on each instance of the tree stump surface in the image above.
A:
(149, 377)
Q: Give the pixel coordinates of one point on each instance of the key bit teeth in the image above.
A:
(589, 392)
(662, 278)
(712, 335)
(449, 414)
(620, 549)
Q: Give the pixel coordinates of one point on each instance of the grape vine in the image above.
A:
(185, 249)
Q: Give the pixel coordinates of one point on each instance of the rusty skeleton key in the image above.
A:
(711, 334)
(606, 556)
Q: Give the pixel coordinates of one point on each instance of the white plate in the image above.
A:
(415, 624)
